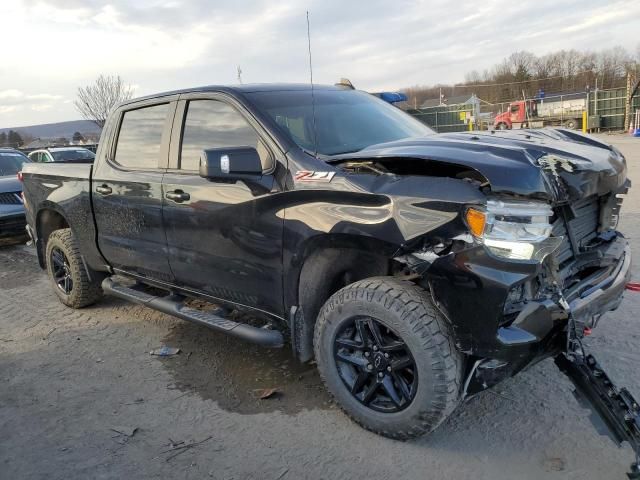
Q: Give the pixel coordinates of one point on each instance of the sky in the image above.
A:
(51, 47)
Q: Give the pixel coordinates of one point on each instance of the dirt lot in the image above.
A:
(74, 385)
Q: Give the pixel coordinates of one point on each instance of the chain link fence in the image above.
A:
(605, 111)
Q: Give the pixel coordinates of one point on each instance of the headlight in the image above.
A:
(514, 229)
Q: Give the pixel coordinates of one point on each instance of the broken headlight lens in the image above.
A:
(519, 230)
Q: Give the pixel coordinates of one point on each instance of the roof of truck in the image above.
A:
(244, 88)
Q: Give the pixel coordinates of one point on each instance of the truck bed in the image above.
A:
(64, 190)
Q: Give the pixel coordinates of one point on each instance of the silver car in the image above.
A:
(62, 154)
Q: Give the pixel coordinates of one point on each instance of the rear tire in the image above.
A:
(414, 334)
(69, 277)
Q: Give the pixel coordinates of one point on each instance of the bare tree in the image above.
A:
(472, 77)
(96, 101)
(556, 72)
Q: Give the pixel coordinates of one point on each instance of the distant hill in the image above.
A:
(57, 130)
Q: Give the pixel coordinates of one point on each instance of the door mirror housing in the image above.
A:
(230, 163)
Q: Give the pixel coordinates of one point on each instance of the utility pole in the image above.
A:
(595, 103)
(239, 71)
(627, 103)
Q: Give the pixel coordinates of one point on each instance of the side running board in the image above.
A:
(614, 407)
(172, 306)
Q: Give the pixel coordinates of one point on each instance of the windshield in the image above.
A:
(345, 120)
(79, 155)
(11, 163)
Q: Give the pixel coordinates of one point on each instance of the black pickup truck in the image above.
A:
(417, 269)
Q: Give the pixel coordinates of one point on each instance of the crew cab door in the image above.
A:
(127, 189)
(224, 237)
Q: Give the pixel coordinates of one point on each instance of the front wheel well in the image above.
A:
(47, 222)
(323, 273)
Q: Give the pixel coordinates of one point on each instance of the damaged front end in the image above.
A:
(529, 236)
(537, 248)
(529, 281)
(509, 288)
(532, 259)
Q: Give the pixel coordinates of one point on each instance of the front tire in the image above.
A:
(70, 280)
(387, 356)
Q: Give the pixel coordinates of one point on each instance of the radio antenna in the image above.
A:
(313, 99)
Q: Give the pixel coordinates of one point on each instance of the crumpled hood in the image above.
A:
(553, 164)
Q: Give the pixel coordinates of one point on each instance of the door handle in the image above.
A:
(177, 196)
(104, 190)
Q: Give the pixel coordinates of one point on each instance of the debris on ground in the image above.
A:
(284, 472)
(265, 393)
(49, 333)
(181, 447)
(165, 351)
(126, 431)
(555, 464)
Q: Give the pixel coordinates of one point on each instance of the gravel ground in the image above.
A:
(75, 384)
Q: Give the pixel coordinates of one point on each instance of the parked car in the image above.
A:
(62, 154)
(417, 269)
(12, 216)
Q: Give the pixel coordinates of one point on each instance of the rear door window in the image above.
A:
(140, 137)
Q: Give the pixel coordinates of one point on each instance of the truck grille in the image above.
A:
(12, 226)
(10, 198)
(577, 232)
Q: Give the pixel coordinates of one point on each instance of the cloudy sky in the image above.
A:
(50, 47)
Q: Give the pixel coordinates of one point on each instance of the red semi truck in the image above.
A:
(537, 114)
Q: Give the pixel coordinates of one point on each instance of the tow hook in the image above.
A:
(615, 408)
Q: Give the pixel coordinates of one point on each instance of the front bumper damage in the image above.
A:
(473, 288)
(615, 411)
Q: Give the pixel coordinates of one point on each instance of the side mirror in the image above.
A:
(229, 163)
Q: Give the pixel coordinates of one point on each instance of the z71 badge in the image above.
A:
(309, 176)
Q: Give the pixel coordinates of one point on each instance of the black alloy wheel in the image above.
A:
(376, 365)
(75, 284)
(386, 354)
(61, 271)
